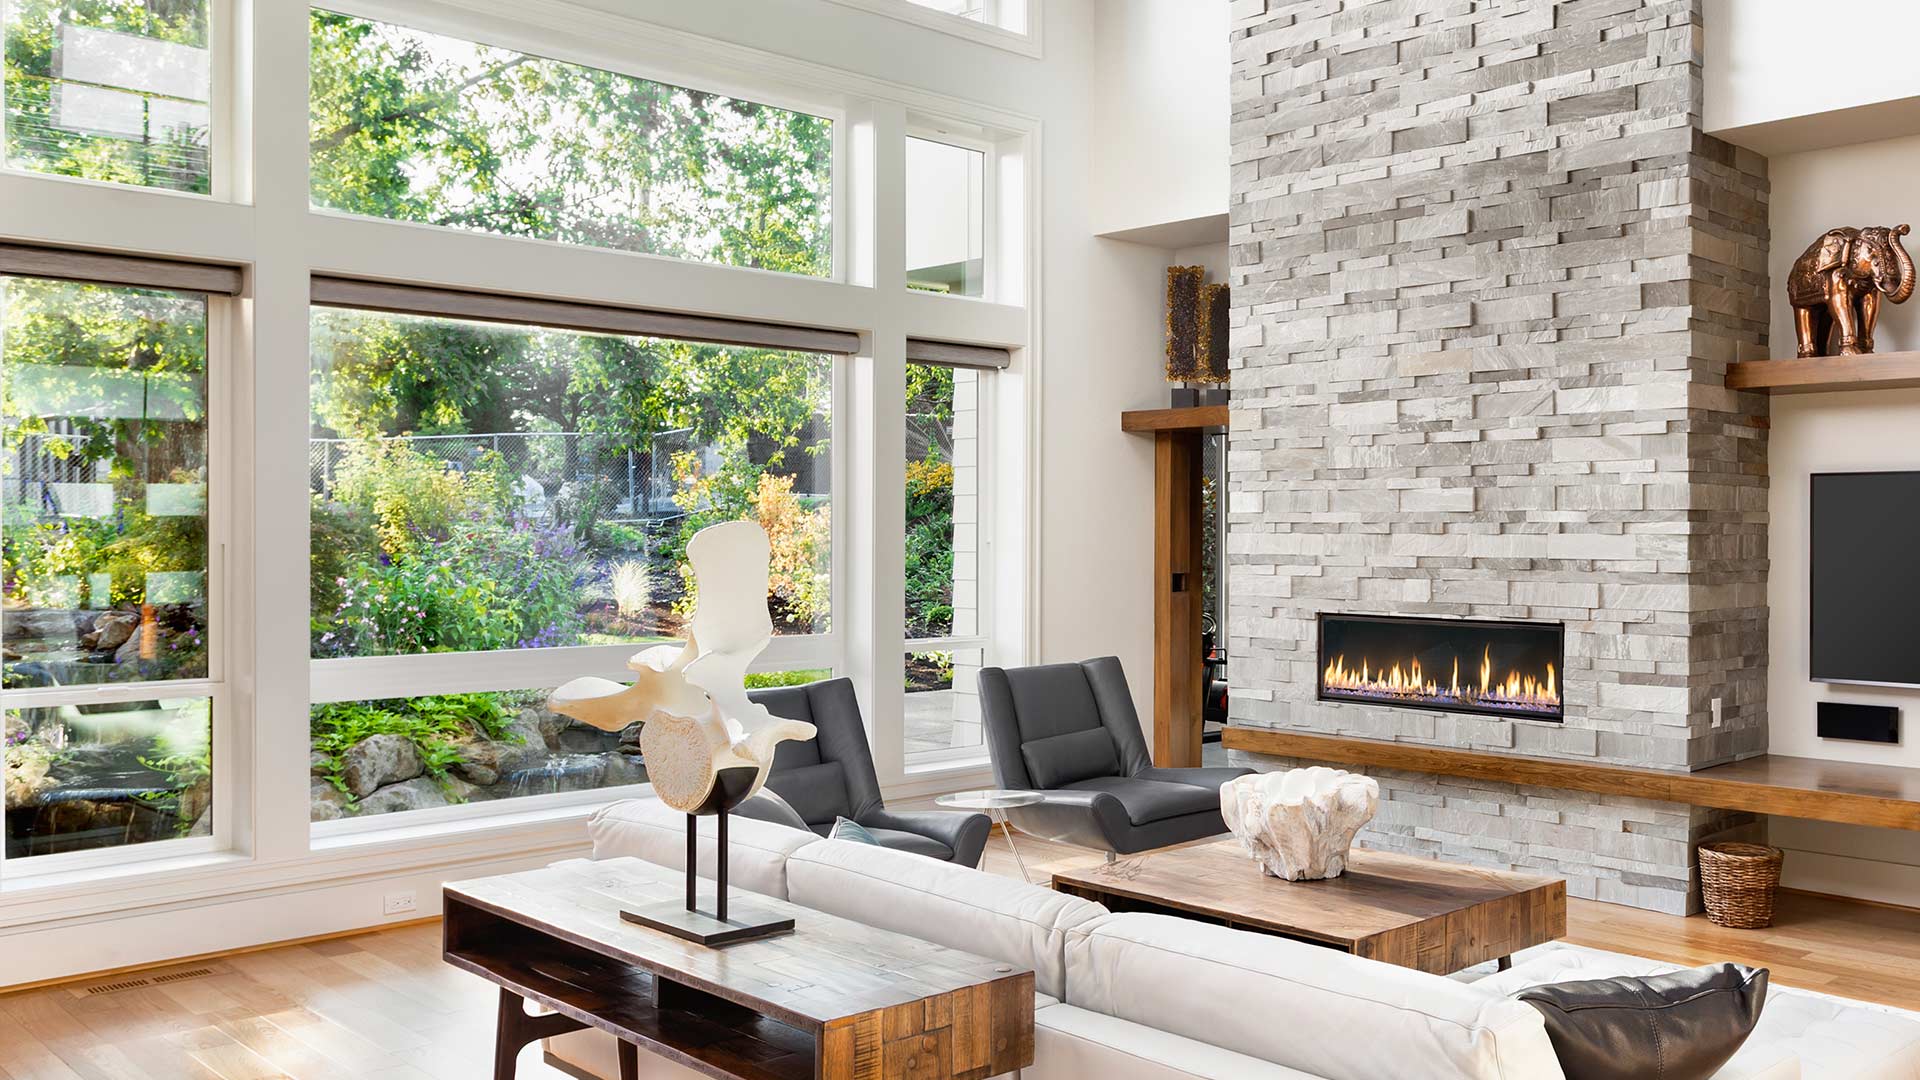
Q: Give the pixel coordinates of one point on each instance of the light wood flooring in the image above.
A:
(382, 1005)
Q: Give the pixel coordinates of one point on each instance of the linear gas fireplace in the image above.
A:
(1457, 665)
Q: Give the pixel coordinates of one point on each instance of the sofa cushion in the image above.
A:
(1059, 760)
(650, 829)
(1830, 1038)
(1303, 1006)
(1148, 801)
(950, 905)
(1077, 1044)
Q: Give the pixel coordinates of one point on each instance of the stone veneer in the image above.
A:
(1487, 276)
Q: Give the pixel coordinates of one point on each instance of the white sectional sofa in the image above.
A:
(1153, 997)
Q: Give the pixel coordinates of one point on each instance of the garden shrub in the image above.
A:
(929, 552)
(798, 535)
(433, 724)
(487, 586)
(412, 498)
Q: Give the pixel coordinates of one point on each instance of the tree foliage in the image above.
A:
(418, 127)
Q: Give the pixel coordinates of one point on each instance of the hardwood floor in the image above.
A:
(382, 1006)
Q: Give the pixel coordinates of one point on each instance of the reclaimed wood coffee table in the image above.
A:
(1433, 916)
(834, 1000)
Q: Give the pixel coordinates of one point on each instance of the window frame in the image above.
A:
(990, 276)
(985, 554)
(472, 26)
(265, 839)
(226, 155)
(231, 757)
(1025, 40)
(367, 678)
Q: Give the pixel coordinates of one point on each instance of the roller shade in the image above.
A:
(565, 315)
(25, 260)
(950, 354)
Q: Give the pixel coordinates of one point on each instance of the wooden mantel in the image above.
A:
(1179, 677)
(1884, 795)
(1198, 418)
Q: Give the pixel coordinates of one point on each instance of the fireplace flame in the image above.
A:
(1406, 682)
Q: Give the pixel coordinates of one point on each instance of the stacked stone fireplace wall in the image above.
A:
(1487, 276)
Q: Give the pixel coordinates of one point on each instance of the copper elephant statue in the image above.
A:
(1837, 283)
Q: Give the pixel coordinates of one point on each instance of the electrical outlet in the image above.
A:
(1717, 718)
(399, 903)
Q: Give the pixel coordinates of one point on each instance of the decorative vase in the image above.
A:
(1299, 824)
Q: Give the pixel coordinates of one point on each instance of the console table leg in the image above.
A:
(514, 1029)
(1503, 963)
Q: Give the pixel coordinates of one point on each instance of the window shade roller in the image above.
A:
(951, 354)
(66, 264)
(567, 315)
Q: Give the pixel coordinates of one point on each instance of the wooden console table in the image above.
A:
(835, 1000)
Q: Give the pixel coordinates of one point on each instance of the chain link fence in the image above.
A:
(615, 482)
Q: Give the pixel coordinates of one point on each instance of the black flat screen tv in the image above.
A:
(1864, 599)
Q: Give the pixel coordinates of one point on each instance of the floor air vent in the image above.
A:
(135, 983)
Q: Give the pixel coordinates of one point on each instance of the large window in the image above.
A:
(104, 475)
(113, 90)
(943, 531)
(946, 218)
(481, 487)
(419, 127)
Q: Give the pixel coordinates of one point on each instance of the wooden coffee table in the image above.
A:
(834, 1000)
(1433, 916)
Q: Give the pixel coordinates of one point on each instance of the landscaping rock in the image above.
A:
(35, 624)
(550, 726)
(378, 760)
(318, 763)
(129, 650)
(326, 802)
(111, 630)
(420, 793)
(622, 769)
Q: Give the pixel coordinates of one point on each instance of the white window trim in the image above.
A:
(263, 776)
(227, 629)
(990, 284)
(1026, 42)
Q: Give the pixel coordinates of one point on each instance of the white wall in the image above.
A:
(1161, 115)
(1778, 78)
(1868, 184)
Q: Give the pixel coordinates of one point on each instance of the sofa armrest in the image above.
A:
(963, 831)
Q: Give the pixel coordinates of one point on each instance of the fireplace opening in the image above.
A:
(1494, 667)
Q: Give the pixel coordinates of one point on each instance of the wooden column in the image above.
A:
(1179, 678)
(1176, 599)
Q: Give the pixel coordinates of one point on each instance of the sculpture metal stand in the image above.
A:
(706, 745)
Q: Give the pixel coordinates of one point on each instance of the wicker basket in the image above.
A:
(1738, 881)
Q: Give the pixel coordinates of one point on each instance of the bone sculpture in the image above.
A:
(707, 747)
(1299, 824)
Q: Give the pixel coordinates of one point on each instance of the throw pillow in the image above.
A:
(849, 829)
(1681, 1026)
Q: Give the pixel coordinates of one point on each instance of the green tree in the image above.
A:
(36, 136)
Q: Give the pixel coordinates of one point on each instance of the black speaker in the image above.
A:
(1866, 723)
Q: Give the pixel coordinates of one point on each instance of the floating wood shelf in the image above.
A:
(1821, 374)
(1854, 794)
(1196, 418)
